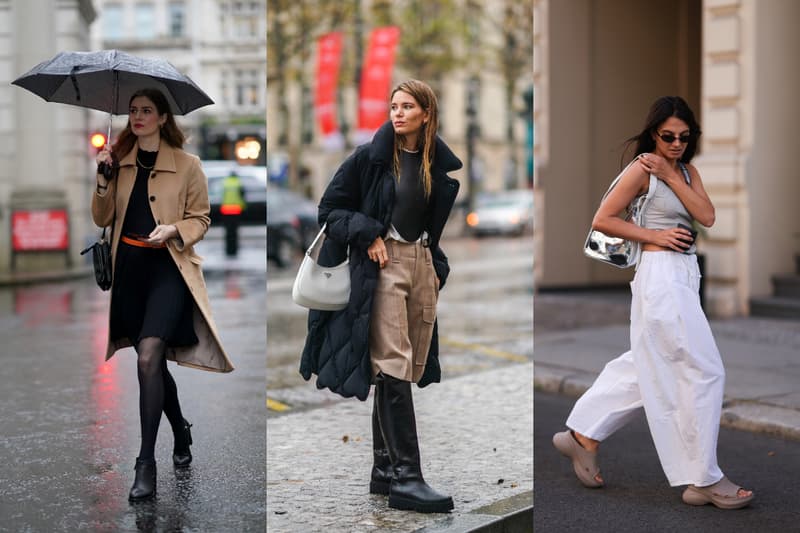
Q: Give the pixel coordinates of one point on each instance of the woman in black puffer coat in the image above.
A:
(387, 206)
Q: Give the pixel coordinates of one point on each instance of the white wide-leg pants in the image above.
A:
(673, 370)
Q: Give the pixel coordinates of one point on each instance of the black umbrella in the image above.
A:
(106, 80)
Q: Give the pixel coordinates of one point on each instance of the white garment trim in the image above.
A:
(394, 234)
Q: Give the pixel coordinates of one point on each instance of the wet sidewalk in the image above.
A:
(576, 335)
(475, 439)
(69, 422)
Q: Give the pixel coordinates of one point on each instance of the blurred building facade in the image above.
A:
(47, 163)
(221, 45)
(598, 65)
(44, 159)
(471, 93)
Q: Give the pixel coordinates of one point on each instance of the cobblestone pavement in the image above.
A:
(475, 439)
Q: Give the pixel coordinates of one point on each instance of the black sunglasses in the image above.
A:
(669, 138)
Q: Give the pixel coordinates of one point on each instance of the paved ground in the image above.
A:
(637, 497)
(577, 334)
(475, 439)
(69, 428)
(475, 427)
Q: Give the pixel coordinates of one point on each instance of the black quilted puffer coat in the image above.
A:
(357, 206)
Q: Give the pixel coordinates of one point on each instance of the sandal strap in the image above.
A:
(724, 488)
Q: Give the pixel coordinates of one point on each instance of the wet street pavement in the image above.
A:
(475, 427)
(69, 429)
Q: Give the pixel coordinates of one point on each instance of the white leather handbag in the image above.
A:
(319, 287)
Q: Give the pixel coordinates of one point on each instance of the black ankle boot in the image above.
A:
(144, 484)
(408, 489)
(381, 476)
(181, 454)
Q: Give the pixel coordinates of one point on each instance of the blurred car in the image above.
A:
(299, 205)
(254, 183)
(284, 241)
(502, 213)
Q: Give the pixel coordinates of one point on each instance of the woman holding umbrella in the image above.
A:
(155, 197)
(388, 203)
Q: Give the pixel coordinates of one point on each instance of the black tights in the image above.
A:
(157, 393)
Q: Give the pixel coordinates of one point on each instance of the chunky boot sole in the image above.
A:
(379, 487)
(408, 504)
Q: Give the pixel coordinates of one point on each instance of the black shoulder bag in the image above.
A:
(101, 260)
(101, 250)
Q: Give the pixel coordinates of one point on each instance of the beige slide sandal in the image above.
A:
(584, 462)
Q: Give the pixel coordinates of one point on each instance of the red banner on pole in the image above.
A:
(39, 230)
(329, 57)
(376, 78)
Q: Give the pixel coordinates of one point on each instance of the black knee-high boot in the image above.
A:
(408, 489)
(381, 463)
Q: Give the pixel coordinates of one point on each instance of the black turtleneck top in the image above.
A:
(410, 206)
(138, 217)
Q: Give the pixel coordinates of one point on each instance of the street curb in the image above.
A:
(510, 515)
(746, 415)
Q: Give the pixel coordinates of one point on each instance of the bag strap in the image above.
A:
(650, 190)
(316, 239)
(685, 172)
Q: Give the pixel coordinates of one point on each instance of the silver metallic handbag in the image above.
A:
(621, 253)
(319, 287)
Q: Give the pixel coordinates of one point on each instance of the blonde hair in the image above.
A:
(426, 141)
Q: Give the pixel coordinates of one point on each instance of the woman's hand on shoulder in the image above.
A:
(658, 167)
(162, 233)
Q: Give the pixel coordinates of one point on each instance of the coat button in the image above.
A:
(152, 175)
(152, 198)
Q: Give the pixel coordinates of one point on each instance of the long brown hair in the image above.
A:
(170, 132)
(426, 141)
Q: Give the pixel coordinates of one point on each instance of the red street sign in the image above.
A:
(39, 230)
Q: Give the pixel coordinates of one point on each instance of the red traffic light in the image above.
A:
(98, 140)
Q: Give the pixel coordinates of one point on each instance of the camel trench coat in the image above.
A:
(178, 194)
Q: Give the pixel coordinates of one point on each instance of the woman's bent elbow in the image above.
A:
(708, 220)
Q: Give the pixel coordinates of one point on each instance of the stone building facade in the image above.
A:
(597, 67)
(44, 161)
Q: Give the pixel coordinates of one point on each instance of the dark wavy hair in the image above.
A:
(170, 132)
(660, 111)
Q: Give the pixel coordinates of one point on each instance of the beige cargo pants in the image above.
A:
(403, 312)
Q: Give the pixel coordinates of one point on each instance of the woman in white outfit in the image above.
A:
(673, 369)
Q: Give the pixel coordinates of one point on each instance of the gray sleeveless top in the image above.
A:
(665, 210)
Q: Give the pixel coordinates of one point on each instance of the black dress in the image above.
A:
(150, 298)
